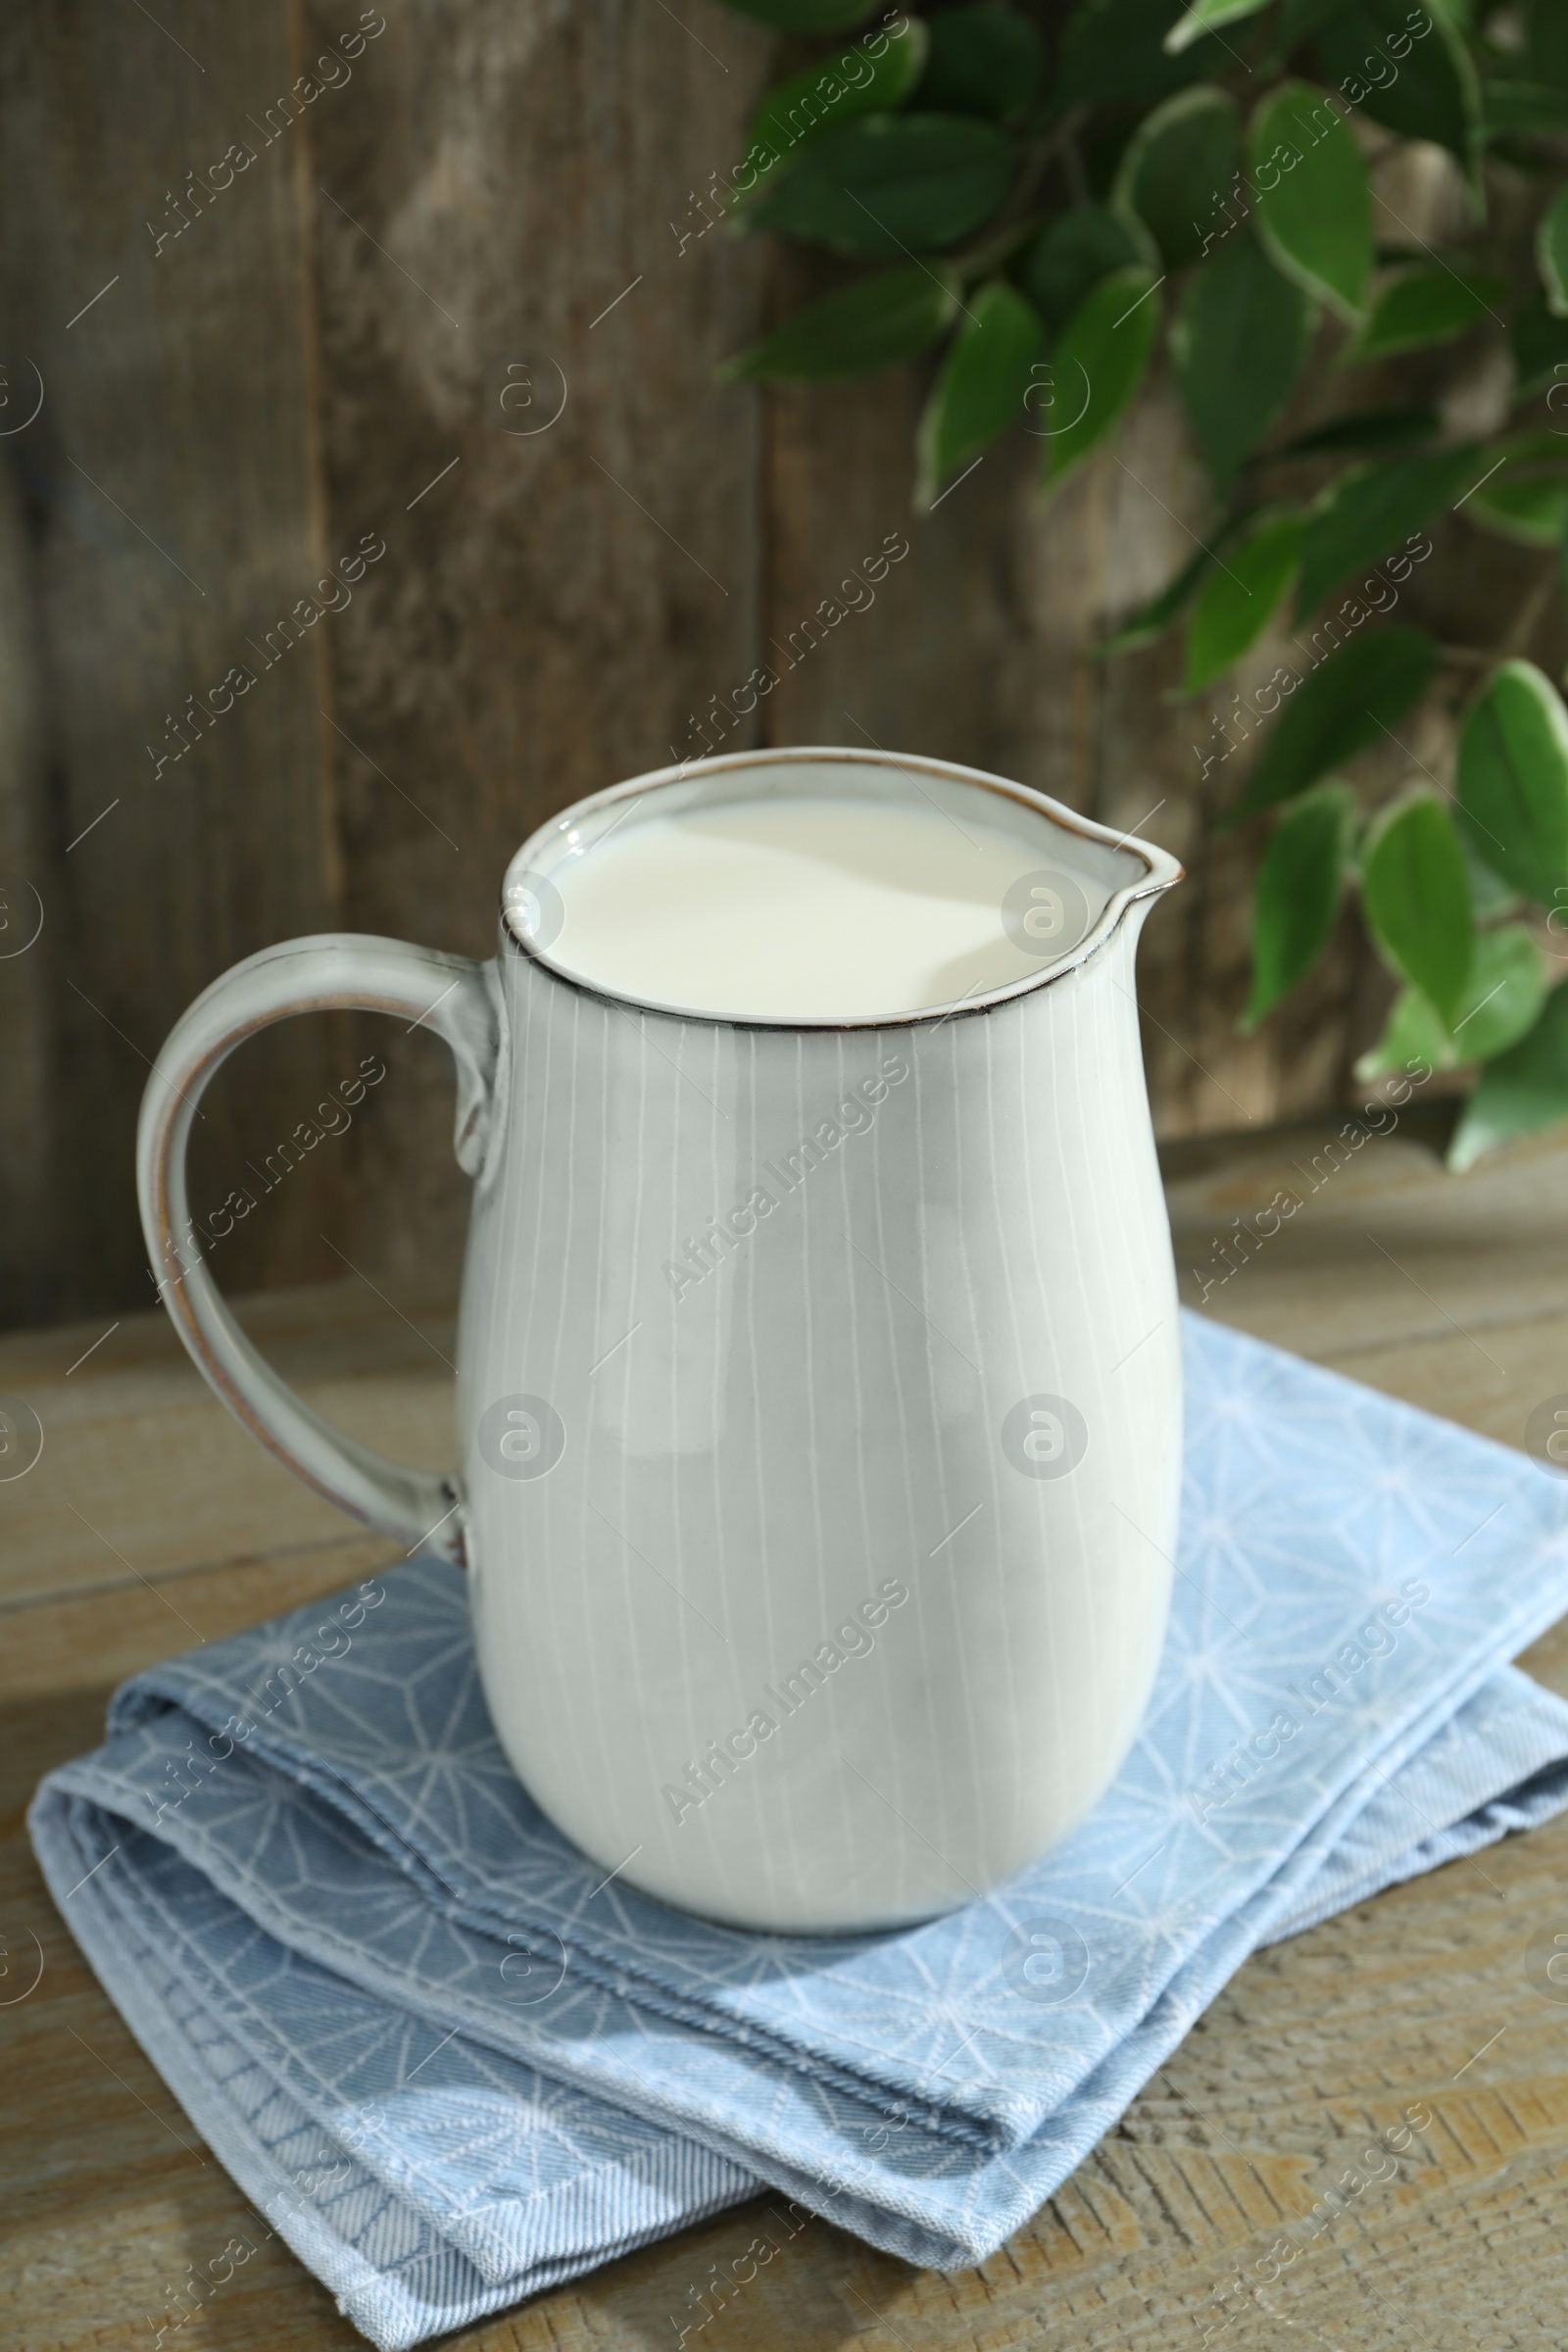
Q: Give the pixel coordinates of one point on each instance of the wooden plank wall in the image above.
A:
(167, 489)
(316, 359)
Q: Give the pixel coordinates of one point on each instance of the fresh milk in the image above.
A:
(820, 906)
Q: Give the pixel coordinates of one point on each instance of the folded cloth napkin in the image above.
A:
(453, 2063)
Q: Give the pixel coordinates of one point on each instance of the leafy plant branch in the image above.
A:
(1044, 214)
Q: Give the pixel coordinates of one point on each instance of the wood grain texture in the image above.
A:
(1418, 1999)
(318, 356)
(550, 612)
(167, 482)
(29, 960)
(138, 1477)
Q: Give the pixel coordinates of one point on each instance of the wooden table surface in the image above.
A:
(151, 1521)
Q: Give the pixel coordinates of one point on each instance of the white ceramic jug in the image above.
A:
(819, 1404)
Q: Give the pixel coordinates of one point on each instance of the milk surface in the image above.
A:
(820, 906)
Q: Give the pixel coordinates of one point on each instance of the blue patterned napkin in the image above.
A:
(452, 2064)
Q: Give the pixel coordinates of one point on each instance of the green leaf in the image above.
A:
(822, 97)
(1540, 348)
(1203, 15)
(1535, 450)
(1424, 306)
(1364, 516)
(1512, 780)
(1296, 900)
(874, 323)
(1431, 92)
(1075, 251)
(1101, 359)
(1300, 18)
(1489, 895)
(982, 385)
(1151, 620)
(1337, 710)
(1533, 512)
(1500, 1003)
(985, 60)
(1176, 169)
(1522, 106)
(1313, 205)
(1239, 344)
(805, 16)
(1503, 995)
(1415, 1032)
(1546, 41)
(1371, 429)
(1416, 894)
(1241, 599)
(1551, 254)
(889, 183)
(1522, 1091)
(1112, 54)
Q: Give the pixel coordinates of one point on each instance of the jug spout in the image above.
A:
(1101, 892)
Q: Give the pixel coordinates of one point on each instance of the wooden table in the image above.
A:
(151, 1520)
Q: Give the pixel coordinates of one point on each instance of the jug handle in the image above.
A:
(453, 995)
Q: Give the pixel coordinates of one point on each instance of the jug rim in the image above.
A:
(1161, 873)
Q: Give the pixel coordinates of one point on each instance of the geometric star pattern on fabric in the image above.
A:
(454, 2065)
